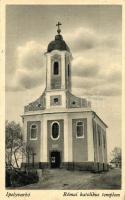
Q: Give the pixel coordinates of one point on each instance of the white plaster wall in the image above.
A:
(97, 144)
(43, 157)
(103, 159)
(90, 139)
(66, 139)
(70, 142)
(24, 137)
(25, 130)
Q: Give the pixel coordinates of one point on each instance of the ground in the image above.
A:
(60, 179)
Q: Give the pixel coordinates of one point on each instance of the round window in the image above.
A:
(55, 130)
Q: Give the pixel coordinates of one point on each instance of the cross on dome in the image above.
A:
(58, 43)
(58, 30)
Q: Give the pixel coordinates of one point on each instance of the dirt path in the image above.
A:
(60, 179)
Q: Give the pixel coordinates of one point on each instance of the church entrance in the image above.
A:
(55, 159)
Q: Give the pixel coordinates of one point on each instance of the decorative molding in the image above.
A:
(76, 102)
(39, 104)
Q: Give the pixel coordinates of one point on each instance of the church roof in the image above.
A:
(58, 44)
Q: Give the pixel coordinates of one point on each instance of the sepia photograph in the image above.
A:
(63, 97)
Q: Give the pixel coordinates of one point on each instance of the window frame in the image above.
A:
(36, 131)
(83, 136)
(58, 129)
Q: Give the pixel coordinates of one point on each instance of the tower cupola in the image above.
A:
(58, 43)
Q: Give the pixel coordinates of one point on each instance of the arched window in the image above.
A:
(33, 132)
(55, 130)
(56, 68)
(80, 129)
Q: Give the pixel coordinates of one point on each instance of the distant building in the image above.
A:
(61, 128)
(115, 163)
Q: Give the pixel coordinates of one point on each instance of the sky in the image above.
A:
(93, 34)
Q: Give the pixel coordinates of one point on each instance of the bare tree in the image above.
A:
(14, 143)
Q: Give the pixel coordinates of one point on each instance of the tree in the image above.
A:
(14, 142)
(17, 150)
(116, 155)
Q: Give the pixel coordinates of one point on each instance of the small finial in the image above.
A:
(58, 30)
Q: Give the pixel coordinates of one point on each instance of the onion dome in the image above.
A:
(58, 44)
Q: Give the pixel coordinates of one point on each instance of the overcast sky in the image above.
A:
(93, 34)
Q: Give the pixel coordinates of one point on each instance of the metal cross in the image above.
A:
(58, 30)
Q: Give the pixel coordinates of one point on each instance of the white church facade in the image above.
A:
(62, 129)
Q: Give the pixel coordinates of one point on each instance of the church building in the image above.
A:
(61, 128)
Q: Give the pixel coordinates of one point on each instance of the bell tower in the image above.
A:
(58, 71)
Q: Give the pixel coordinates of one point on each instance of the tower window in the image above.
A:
(55, 130)
(56, 68)
(80, 129)
(33, 132)
(56, 100)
